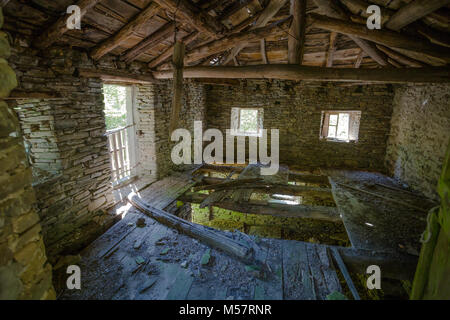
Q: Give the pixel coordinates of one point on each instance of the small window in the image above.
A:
(340, 126)
(246, 122)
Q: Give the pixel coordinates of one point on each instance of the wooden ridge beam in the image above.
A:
(384, 37)
(57, 30)
(115, 76)
(153, 39)
(198, 19)
(131, 27)
(263, 19)
(217, 46)
(296, 37)
(296, 72)
(332, 10)
(413, 11)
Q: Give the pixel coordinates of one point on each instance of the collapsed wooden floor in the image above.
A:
(140, 258)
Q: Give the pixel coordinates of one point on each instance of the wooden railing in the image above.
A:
(119, 151)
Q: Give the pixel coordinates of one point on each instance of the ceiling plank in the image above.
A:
(384, 37)
(267, 14)
(59, 28)
(400, 57)
(296, 72)
(198, 19)
(113, 42)
(332, 10)
(153, 39)
(217, 46)
(296, 38)
(413, 11)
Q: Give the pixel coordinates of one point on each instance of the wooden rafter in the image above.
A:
(400, 57)
(384, 37)
(135, 24)
(233, 8)
(169, 52)
(332, 10)
(231, 41)
(162, 33)
(296, 38)
(296, 72)
(413, 11)
(57, 30)
(266, 15)
(198, 19)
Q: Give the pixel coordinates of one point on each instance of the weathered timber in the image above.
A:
(296, 38)
(384, 37)
(267, 208)
(56, 30)
(178, 57)
(217, 46)
(400, 57)
(153, 39)
(332, 9)
(206, 235)
(296, 72)
(344, 271)
(266, 15)
(169, 52)
(116, 76)
(198, 19)
(135, 24)
(413, 11)
(265, 60)
(359, 59)
(233, 8)
(331, 49)
(227, 184)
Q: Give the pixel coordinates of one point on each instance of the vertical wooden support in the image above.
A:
(331, 49)
(178, 63)
(296, 40)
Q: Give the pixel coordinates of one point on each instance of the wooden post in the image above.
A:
(178, 58)
(296, 39)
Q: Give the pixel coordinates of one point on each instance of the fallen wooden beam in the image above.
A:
(348, 279)
(217, 46)
(384, 37)
(227, 184)
(131, 27)
(296, 72)
(206, 235)
(413, 11)
(116, 76)
(296, 38)
(57, 30)
(152, 40)
(267, 208)
(198, 19)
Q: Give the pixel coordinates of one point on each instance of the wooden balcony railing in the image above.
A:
(118, 143)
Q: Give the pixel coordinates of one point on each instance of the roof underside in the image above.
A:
(108, 17)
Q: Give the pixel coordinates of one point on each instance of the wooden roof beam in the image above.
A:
(233, 8)
(296, 38)
(332, 10)
(153, 39)
(198, 19)
(116, 76)
(266, 15)
(57, 30)
(298, 73)
(384, 37)
(413, 11)
(217, 46)
(135, 24)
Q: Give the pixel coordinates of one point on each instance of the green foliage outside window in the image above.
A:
(115, 106)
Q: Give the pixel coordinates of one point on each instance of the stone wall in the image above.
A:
(24, 270)
(155, 107)
(419, 136)
(295, 109)
(66, 135)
